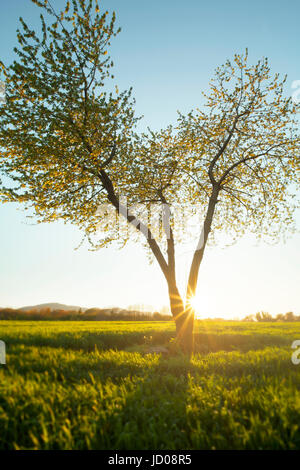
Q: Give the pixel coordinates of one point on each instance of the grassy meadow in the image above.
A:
(93, 385)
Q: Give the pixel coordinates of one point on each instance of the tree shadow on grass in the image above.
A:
(143, 401)
(152, 412)
(159, 410)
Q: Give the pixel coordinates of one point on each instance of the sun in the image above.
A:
(200, 306)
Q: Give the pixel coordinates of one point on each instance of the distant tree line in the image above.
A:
(118, 314)
(92, 314)
(267, 317)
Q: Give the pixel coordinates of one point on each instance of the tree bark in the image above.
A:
(185, 331)
(184, 319)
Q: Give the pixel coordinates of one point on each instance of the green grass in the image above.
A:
(78, 385)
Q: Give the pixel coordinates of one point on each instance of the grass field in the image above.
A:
(90, 385)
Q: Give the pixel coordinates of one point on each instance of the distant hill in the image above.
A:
(53, 306)
(55, 311)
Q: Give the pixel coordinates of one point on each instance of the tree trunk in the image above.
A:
(184, 320)
(185, 327)
(185, 331)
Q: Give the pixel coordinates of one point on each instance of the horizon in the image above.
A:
(141, 308)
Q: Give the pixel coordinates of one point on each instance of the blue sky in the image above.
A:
(167, 51)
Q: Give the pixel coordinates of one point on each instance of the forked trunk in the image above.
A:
(183, 315)
(185, 321)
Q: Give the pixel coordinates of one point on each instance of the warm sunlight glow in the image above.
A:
(200, 306)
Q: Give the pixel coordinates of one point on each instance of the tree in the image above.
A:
(72, 151)
(264, 316)
(289, 316)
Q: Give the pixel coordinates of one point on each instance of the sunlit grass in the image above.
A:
(72, 385)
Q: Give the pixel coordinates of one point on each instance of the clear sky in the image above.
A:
(167, 51)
